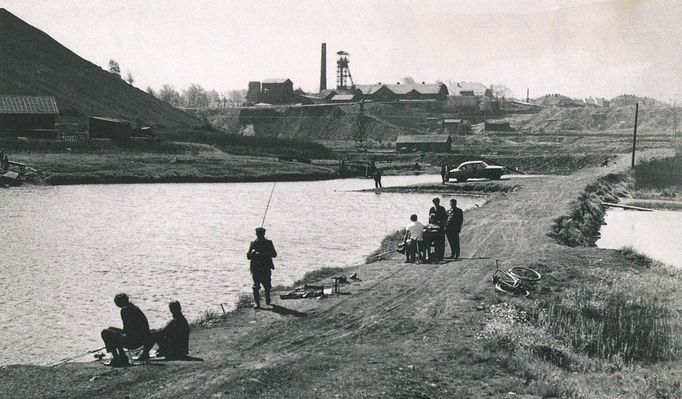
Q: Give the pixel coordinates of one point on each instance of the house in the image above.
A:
(28, 116)
(498, 126)
(520, 107)
(456, 126)
(277, 91)
(109, 128)
(471, 89)
(424, 142)
(404, 92)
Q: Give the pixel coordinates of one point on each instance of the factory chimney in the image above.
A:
(323, 68)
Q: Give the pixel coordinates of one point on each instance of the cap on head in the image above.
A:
(174, 306)
(121, 300)
(413, 217)
(453, 201)
(260, 231)
(436, 200)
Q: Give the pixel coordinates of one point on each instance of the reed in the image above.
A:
(389, 243)
(632, 328)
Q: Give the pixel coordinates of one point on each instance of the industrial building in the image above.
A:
(28, 116)
(424, 143)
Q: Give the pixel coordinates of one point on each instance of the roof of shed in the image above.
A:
(45, 105)
(423, 138)
(280, 81)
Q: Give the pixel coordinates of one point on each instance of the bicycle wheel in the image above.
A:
(524, 273)
(505, 277)
(511, 289)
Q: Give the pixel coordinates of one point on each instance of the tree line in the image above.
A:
(194, 96)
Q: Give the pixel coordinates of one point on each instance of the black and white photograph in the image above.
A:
(340, 199)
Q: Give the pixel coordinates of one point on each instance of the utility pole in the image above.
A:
(634, 136)
(675, 142)
(360, 138)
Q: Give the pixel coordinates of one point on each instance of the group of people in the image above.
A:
(172, 339)
(426, 244)
(4, 160)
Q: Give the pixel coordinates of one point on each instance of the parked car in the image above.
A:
(476, 169)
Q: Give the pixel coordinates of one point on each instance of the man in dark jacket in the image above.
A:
(441, 219)
(453, 227)
(173, 338)
(261, 251)
(134, 334)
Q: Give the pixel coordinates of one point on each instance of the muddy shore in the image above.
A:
(404, 330)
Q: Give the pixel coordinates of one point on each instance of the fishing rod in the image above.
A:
(70, 358)
(268, 205)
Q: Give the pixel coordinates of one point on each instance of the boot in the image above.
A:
(267, 297)
(256, 299)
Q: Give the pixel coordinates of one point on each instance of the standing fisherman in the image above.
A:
(261, 251)
(453, 227)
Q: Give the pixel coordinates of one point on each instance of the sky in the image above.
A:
(578, 48)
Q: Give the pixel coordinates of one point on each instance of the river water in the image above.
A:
(657, 234)
(65, 251)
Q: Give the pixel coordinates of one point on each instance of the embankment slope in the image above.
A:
(32, 63)
(404, 331)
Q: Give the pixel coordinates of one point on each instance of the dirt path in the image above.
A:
(403, 331)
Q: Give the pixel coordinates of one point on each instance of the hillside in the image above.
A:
(652, 119)
(32, 63)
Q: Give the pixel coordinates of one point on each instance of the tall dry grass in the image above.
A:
(621, 324)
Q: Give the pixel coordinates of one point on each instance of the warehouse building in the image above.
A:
(28, 116)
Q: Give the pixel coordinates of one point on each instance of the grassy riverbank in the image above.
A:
(202, 166)
(437, 330)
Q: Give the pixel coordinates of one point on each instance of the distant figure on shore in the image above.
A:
(5, 162)
(2, 159)
(453, 226)
(172, 339)
(414, 239)
(134, 334)
(444, 172)
(441, 218)
(434, 236)
(261, 251)
(377, 178)
(371, 168)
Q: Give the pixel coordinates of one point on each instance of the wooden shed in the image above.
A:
(28, 116)
(424, 143)
(109, 128)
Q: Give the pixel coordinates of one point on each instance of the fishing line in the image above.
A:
(268, 205)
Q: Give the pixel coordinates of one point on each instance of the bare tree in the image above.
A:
(151, 91)
(213, 98)
(408, 80)
(195, 96)
(170, 95)
(129, 77)
(501, 91)
(114, 68)
(236, 96)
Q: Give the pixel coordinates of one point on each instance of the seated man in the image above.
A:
(134, 334)
(433, 237)
(413, 240)
(173, 338)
